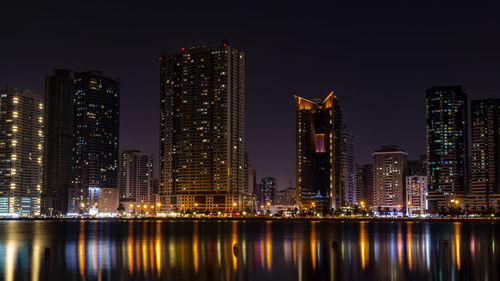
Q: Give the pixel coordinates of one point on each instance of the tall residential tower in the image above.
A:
(21, 150)
(485, 152)
(201, 129)
(96, 137)
(389, 177)
(447, 144)
(57, 160)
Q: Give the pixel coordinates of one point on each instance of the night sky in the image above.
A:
(378, 57)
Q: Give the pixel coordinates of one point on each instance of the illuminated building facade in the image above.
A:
(364, 185)
(389, 174)
(136, 177)
(416, 195)
(202, 129)
(485, 152)
(266, 191)
(319, 156)
(447, 144)
(21, 152)
(57, 160)
(95, 137)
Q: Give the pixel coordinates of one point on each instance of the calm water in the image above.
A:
(272, 250)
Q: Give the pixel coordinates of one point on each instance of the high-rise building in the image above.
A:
(416, 195)
(266, 191)
(485, 152)
(319, 157)
(349, 167)
(136, 177)
(389, 175)
(21, 152)
(364, 185)
(57, 160)
(447, 144)
(95, 137)
(201, 129)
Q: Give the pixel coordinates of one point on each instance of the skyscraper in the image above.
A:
(349, 167)
(57, 160)
(485, 152)
(201, 128)
(96, 137)
(389, 176)
(319, 156)
(447, 144)
(21, 151)
(364, 185)
(136, 177)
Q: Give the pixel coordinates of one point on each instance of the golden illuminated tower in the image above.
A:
(320, 176)
(201, 129)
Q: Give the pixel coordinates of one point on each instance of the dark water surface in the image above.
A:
(248, 250)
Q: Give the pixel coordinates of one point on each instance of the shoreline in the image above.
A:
(249, 219)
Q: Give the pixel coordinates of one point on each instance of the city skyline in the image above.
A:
(333, 49)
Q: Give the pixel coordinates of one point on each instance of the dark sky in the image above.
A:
(378, 57)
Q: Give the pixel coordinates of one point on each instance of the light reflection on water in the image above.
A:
(251, 250)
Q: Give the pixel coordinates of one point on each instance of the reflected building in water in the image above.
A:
(235, 250)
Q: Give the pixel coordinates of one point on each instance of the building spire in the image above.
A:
(225, 42)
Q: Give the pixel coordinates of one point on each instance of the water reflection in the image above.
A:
(252, 250)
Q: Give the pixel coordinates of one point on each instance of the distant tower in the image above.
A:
(447, 144)
(96, 137)
(364, 185)
(485, 160)
(136, 177)
(58, 142)
(267, 191)
(21, 151)
(389, 177)
(416, 195)
(202, 129)
(319, 156)
(349, 167)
